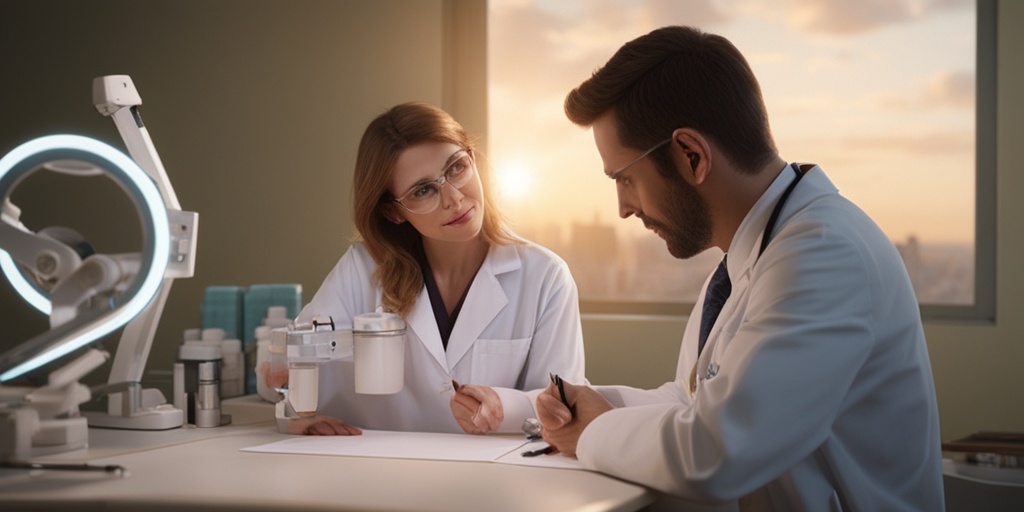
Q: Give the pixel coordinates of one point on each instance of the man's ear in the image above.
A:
(696, 152)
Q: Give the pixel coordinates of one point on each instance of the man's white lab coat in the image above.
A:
(814, 391)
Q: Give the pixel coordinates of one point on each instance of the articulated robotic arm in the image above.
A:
(89, 295)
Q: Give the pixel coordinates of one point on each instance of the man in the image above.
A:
(812, 390)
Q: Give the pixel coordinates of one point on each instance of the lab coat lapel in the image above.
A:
(421, 321)
(747, 241)
(485, 300)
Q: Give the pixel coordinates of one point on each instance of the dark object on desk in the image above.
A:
(985, 472)
(542, 451)
(990, 449)
(109, 468)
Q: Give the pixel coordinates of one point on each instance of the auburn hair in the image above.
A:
(394, 246)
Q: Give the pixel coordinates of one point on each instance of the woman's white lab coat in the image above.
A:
(519, 322)
(814, 391)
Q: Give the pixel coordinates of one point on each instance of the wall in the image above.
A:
(256, 108)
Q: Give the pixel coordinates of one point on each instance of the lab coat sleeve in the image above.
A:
(556, 347)
(517, 406)
(805, 333)
(625, 396)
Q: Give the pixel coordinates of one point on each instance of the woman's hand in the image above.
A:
(477, 409)
(321, 426)
(273, 377)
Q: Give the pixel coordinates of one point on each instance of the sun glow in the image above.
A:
(514, 179)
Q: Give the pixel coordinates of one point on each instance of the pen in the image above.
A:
(109, 468)
(561, 390)
(543, 451)
(561, 395)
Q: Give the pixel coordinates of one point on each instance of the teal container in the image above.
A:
(223, 308)
(259, 297)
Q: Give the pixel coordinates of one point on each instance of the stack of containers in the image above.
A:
(222, 309)
(238, 310)
(197, 377)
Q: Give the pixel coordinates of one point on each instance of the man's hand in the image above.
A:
(562, 427)
(321, 426)
(477, 409)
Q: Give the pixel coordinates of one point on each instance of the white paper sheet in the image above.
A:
(421, 445)
(398, 445)
(554, 460)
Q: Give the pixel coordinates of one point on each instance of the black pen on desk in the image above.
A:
(543, 451)
(109, 468)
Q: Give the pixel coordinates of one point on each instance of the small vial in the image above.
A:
(303, 387)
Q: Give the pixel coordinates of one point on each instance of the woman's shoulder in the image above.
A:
(355, 259)
(532, 254)
(357, 252)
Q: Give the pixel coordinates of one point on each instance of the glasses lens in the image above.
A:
(459, 173)
(425, 197)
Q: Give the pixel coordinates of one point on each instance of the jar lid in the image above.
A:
(377, 322)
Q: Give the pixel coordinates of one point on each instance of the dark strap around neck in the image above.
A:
(770, 227)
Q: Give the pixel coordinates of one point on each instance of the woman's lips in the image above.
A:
(459, 218)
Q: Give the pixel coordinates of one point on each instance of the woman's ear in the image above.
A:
(392, 214)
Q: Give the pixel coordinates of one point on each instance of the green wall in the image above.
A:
(256, 108)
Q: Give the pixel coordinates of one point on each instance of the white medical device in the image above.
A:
(307, 347)
(375, 344)
(88, 295)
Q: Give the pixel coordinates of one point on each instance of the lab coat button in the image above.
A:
(711, 371)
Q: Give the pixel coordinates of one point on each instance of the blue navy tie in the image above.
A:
(718, 292)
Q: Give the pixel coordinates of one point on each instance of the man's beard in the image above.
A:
(687, 227)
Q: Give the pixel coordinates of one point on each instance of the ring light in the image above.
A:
(34, 155)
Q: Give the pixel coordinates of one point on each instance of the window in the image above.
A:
(881, 94)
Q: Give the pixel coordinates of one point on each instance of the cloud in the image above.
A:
(945, 89)
(539, 44)
(845, 17)
(950, 142)
(951, 88)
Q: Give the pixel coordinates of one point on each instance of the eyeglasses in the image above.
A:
(614, 174)
(425, 196)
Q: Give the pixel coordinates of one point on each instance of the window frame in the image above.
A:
(982, 310)
(984, 306)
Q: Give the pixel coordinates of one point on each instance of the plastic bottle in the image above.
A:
(232, 371)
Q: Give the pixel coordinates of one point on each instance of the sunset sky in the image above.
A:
(878, 92)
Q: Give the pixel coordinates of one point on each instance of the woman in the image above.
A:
(483, 308)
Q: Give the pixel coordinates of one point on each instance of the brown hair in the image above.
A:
(393, 246)
(676, 77)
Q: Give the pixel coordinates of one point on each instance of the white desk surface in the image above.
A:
(203, 469)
